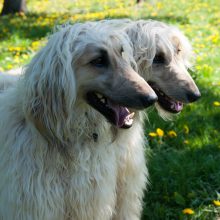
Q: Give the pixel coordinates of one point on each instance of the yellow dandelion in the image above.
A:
(160, 132)
(215, 38)
(152, 134)
(216, 103)
(188, 211)
(186, 142)
(172, 133)
(159, 5)
(21, 14)
(16, 59)
(215, 84)
(215, 132)
(201, 45)
(25, 56)
(216, 202)
(199, 58)
(198, 67)
(153, 14)
(35, 44)
(186, 129)
(9, 66)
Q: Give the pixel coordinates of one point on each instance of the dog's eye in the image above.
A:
(121, 50)
(99, 62)
(159, 59)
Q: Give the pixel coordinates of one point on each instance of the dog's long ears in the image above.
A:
(50, 88)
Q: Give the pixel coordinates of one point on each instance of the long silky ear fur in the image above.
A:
(50, 88)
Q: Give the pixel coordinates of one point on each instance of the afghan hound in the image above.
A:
(164, 56)
(71, 136)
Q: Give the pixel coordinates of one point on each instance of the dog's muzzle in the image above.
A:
(118, 114)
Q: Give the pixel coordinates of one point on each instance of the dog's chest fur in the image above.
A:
(90, 182)
(55, 188)
(85, 183)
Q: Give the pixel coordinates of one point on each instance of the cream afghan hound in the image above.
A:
(164, 56)
(65, 152)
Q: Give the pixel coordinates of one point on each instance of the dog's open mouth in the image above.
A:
(167, 102)
(117, 115)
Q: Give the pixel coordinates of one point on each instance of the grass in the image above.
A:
(183, 155)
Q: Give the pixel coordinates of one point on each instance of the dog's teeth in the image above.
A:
(129, 119)
(131, 115)
(172, 106)
(102, 100)
(99, 95)
(129, 122)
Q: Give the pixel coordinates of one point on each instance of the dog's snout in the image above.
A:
(193, 96)
(148, 100)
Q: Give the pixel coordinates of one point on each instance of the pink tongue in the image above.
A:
(178, 106)
(120, 113)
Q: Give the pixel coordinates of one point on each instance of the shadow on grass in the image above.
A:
(183, 175)
(35, 26)
(181, 179)
(169, 19)
(31, 26)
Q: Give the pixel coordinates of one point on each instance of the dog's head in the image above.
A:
(163, 57)
(83, 65)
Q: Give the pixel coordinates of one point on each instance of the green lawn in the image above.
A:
(183, 155)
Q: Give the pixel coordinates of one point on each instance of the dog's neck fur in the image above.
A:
(88, 128)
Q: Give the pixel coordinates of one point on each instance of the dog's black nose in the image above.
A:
(148, 100)
(193, 96)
